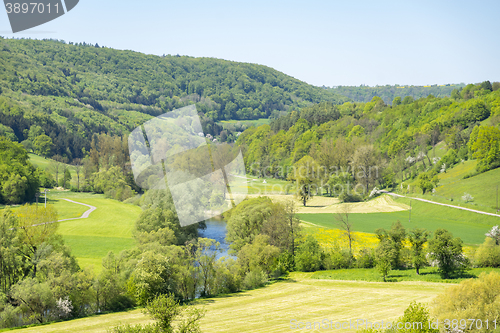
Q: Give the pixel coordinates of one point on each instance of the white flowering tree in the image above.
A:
(467, 197)
(495, 234)
(64, 307)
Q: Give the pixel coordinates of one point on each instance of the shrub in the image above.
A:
(308, 257)
(337, 259)
(473, 298)
(488, 254)
(254, 279)
(350, 197)
(366, 258)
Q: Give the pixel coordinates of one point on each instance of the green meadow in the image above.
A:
(108, 228)
(469, 226)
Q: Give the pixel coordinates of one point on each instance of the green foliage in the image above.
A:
(18, 177)
(254, 279)
(385, 255)
(391, 244)
(488, 254)
(366, 258)
(112, 183)
(42, 145)
(152, 277)
(305, 175)
(245, 221)
(447, 252)
(394, 93)
(46, 179)
(338, 259)
(417, 238)
(308, 257)
(64, 182)
(170, 317)
(418, 315)
(427, 182)
(473, 298)
(259, 255)
(485, 146)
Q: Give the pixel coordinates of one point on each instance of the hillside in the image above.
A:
(73, 91)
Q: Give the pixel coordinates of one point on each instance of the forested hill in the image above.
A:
(97, 76)
(365, 94)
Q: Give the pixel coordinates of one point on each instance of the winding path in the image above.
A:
(441, 204)
(84, 215)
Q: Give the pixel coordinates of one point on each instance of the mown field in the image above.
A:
(271, 308)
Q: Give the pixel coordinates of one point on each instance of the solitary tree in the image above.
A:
(343, 221)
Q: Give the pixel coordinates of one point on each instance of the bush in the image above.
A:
(488, 254)
(350, 197)
(472, 298)
(120, 303)
(308, 257)
(254, 279)
(365, 259)
(46, 179)
(416, 313)
(338, 259)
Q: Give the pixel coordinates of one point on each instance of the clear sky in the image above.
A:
(321, 42)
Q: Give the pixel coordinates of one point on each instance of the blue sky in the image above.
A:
(321, 42)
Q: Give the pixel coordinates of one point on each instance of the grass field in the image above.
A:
(482, 187)
(108, 228)
(452, 187)
(469, 226)
(43, 163)
(427, 274)
(271, 308)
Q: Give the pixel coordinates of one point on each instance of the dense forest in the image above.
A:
(73, 91)
(388, 93)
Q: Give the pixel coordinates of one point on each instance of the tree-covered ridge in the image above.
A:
(91, 74)
(397, 139)
(388, 93)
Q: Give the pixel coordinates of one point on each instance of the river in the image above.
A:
(216, 229)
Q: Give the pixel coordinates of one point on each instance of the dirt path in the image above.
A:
(441, 204)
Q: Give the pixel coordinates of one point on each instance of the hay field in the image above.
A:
(271, 308)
